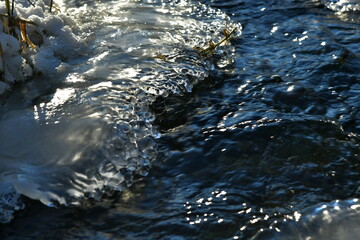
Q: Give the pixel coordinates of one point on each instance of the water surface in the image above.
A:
(261, 141)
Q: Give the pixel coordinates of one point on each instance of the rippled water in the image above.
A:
(261, 141)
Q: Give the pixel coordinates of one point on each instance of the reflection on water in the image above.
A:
(336, 220)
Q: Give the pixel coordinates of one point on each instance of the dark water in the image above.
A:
(265, 148)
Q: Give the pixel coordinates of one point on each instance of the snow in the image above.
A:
(53, 37)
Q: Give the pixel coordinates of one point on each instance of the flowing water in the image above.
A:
(139, 137)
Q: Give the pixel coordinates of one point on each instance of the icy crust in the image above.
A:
(51, 34)
(160, 37)
(9, 202)
(342, 5)
(95, 132)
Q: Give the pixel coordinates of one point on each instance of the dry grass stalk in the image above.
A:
(209, 50)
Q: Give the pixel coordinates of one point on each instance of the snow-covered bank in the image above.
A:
(51, 34)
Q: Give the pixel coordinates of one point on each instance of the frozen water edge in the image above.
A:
(94, 131)
(54, 40)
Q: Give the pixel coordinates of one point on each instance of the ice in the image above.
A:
(84, 127)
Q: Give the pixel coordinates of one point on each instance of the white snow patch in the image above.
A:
(54, 39)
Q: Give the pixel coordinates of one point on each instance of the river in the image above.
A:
(141, 137)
